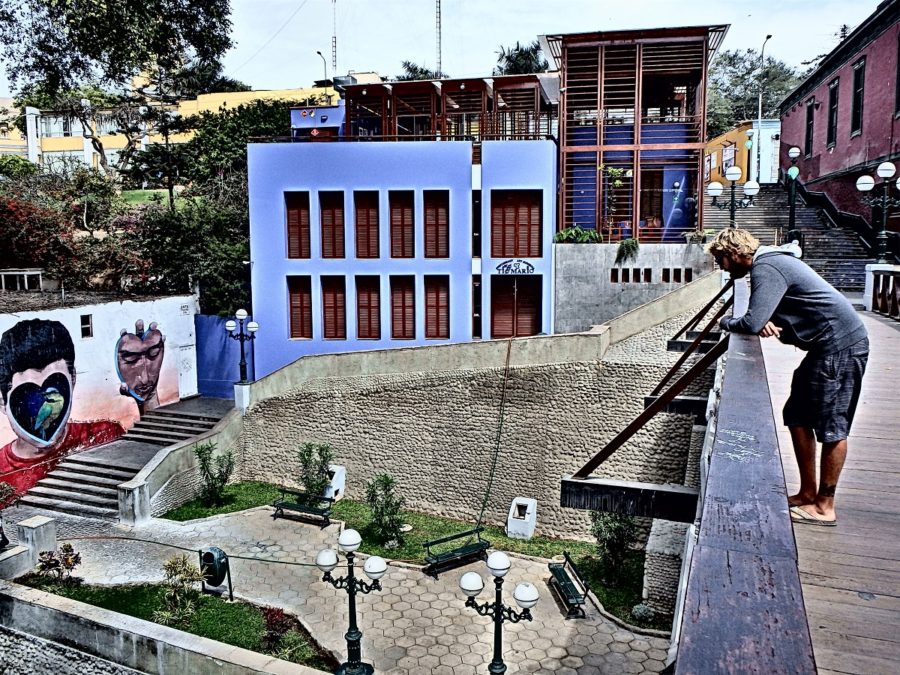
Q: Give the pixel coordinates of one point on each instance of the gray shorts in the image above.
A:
(825, 391)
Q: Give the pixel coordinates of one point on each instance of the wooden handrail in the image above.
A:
(694, 320)
(659, 404)
(693, 346)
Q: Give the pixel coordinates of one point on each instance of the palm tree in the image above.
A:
(521, 59)
(413, 71)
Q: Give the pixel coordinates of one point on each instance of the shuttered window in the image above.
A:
(297, 207)
(368, 308)
(366, 204)
(402, 224)
(437, 307)
(437, 223)
(334, 312)
(515, 306)
(331, 206)
(403, 308)
(516, 223)
(300, 301)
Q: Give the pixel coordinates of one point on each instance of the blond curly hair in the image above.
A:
(733, 240)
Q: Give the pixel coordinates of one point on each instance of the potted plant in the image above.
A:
(698, 236)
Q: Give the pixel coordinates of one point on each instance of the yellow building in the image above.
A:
(53, 136)
(12, 142)
(751, 146)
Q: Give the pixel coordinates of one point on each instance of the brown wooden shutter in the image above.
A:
(502, 307)
(297, 204)
(366, 224)
(332, 224)
(403, 308)
(368, 308)
(402, 224)
(528, 307)
(334, 316)
(516, 223)
(300, 293)
(437, 307)
(437, 224)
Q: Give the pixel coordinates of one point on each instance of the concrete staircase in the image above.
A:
(85, 483)
(835, 253)
(83, 486)
(164, 427)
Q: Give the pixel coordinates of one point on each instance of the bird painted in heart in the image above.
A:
(49, 412)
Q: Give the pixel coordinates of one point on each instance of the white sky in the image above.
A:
(276, 40)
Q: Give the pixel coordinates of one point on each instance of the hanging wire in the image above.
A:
(490, 483)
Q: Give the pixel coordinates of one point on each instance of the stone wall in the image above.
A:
(585, 295)
(24, 654)
(180, 488)
(436, 432)
(662, 567)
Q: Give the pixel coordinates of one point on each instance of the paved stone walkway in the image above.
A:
(415, 625)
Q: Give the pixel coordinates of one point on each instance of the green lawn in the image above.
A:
(135, 197)
(617, 598)
(239, 624)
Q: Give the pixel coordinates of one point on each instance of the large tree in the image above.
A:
(520, 59)
(55, 49)
(735, 80)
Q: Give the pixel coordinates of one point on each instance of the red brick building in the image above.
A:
(845, 118)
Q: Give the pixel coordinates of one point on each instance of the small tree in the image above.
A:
(314, 473)
(615, 534)
(59, 564)
(385, 506)
(214, 472)
(181, 593)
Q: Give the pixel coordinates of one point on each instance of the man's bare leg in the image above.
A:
(833, 456)
(804, 441)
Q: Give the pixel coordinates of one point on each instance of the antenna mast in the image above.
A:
(437, 20)
(333, 38)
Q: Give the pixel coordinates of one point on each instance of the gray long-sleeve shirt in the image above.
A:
(812, 315)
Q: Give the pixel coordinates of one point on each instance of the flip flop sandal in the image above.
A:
(804, 517)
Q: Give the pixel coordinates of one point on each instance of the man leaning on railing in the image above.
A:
(789, 301)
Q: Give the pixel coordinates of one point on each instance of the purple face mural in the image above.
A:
(139, 358)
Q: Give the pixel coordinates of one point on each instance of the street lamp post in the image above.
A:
(714, 190)
(375, 568)
(865, 183)
(792, 173)
(242, 337)
(525, 595)
(762, 68)
(324, 65)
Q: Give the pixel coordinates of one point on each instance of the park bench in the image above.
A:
(455, 556)
(299, 502)
(569, 585)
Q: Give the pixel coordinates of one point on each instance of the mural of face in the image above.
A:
(39, 402)
(139, 358)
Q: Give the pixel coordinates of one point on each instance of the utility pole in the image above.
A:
(333, 38)
(437, 21)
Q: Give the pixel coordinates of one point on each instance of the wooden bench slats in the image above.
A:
(566, 580)
(455, 556)
(299, 503)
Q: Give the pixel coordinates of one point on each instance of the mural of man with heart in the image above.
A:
(139, 359)
(37, 381)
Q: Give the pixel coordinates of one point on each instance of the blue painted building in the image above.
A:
(368, 245)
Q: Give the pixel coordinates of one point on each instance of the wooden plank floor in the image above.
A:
(851, 573)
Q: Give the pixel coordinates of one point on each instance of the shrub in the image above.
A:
(314, 473)
(615, 534)
(59, 564)
(628, 250)
(181, 593)
(577, 235)
(7, 494)
(277, 625)
(214, 472)
(385, 506)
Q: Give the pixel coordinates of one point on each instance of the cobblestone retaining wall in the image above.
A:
(180, 488)
(662, 567)
(24, 654)
(436, 432)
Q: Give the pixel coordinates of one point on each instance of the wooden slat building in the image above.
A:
(632, 127)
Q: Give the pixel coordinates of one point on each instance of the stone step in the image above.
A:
(75, 496)
(87, 479)
(88, 460)
(175, 425)
(64, 506)
(71, 465)
(144, 438)
(171, 414)
(55, 483)
(170, 434)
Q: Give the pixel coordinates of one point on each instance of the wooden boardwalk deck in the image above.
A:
(851, 573)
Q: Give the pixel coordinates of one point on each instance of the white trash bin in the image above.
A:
(522, 518)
